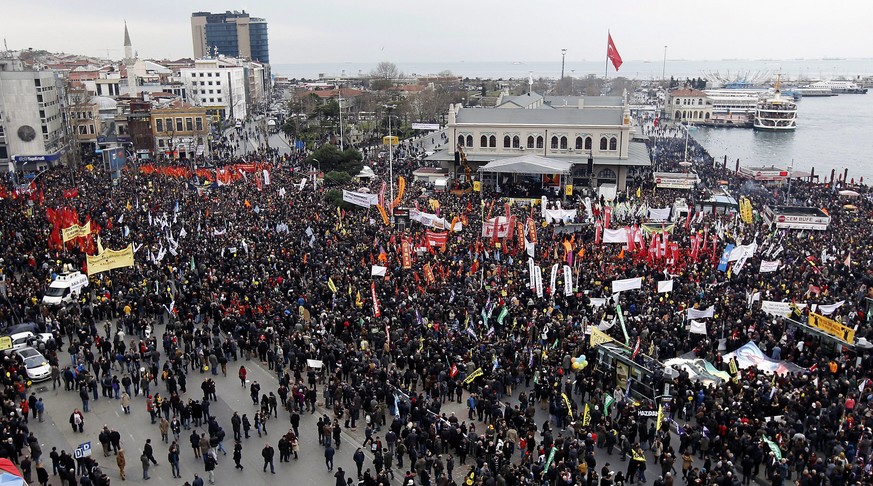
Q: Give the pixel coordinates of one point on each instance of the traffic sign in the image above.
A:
(84, 450)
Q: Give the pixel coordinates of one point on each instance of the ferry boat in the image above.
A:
(776, 113)
(840, 87)
(809, 92)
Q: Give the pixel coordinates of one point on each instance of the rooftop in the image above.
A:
(587, 117)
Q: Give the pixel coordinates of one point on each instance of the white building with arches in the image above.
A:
(688, 105)
(569, 128)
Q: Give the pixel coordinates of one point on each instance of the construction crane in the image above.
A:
(467, 170)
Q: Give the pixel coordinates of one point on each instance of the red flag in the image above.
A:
(612, 52)
(71, 193)
(636, 350)
(376, 311)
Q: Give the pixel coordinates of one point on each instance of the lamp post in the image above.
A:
(563, 57)
(664, 67)
(340, 101)
(390, 159)
(314, 187)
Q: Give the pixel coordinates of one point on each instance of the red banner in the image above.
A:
(436, 238)
(428, 274)
(376, 311)
(406, 254)
(71, 193)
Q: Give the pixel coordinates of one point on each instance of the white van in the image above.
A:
(65, 288)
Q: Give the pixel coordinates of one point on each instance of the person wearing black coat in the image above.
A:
(267, 453)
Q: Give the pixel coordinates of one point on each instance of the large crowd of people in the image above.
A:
(267, 271)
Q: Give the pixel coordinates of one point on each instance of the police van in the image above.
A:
(65, 288)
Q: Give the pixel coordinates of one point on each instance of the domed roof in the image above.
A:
(104, 103)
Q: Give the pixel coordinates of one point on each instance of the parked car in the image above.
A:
(29, 339)
(38, 368)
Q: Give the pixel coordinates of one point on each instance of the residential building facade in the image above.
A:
(180, 131)
(220, 86)
(32, 124)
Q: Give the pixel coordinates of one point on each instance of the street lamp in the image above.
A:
(314, 187)
(563, 57)
(390, 158)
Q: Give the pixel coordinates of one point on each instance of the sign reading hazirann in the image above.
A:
(832, 327)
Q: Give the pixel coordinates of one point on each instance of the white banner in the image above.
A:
(432, 220)
(659, 214)
(378, 271)
(697, 327)
(743, 250)
(829, 309)
(502, 227)
(568, 281)
(767, 267)
(554, 280)
(665, 286)
(425, 126)
(360, 198)
(597, 301)
(615, 235)
(532, 273)
(538, 272)
(778, 309)
(266, 177)
(626, 284)
(559, 215)
(701, 314)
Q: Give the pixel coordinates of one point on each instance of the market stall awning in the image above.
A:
(527, 164)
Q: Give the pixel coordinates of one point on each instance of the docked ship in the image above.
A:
(840, 87)
(809, 92)
(777, 113)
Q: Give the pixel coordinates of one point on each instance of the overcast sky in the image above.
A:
(462, 30)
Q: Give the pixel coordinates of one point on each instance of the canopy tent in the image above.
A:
(366, 173)
(9, 474)
(527, 164)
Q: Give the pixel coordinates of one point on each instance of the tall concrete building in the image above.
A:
(233, 34)
(32, 125)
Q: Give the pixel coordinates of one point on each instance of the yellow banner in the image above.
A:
(477, 186)
(598, 337)
(567, 403)
(110, 259)
(75, 231)
(401, 187)
(586, 417)
(472, 376)
(746, 210)
(832, 327)
(568, 190)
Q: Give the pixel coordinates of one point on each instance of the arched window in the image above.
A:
(603, 143)
(579, 143)
(506, 141)
(483, 141)
(492, 141)
(684, 114)
(587, 143)
(676, 101)
(613, 144)
(461, 140)
(678, 115)
(516, 141)
(606, 175)
(700, 101)
(554, 142)
(469, 140)
(539, 142)
(707, 116)
(564, 143)
(530, 141)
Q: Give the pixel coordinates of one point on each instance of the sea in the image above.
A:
(832, 133)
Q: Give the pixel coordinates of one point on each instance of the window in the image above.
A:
(179, 126)
(492, 141)
(579, 143)
(613, 143)
(684, 114)
(506, 141)
(603, 143)
(606, 174)
(540, 142)
(676, 101)
(678, 115)
(168, 122)
(161, 143)
(587, 143)
(530, 141)
(554, 143)
(483, 141)
(516, 142)
(469, 140)
(699, 101)
(461, 140)
(189, 124)
(159, 125)
(210, 83)
(198, 122)
(563, 143)
(83, 130)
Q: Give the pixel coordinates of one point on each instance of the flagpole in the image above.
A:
(606, 64)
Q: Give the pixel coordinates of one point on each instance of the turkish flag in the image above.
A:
(612, 52)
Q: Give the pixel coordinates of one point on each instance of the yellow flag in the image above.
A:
(660, 417)
(639, 193)
(331, 285)
(586, 417)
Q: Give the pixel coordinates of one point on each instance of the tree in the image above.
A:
(329, 158)
(384, 76)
